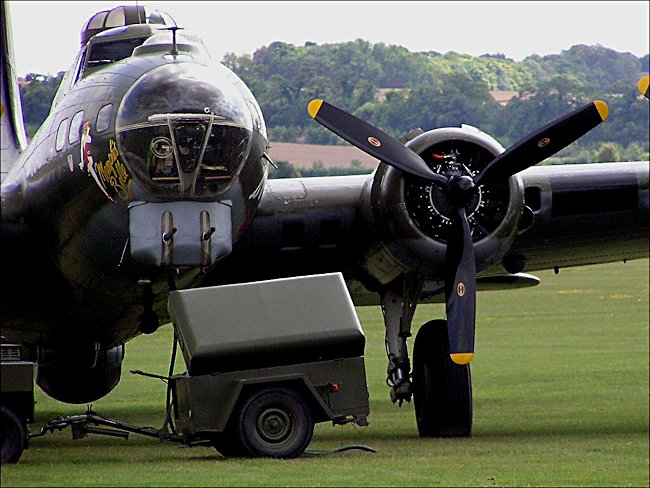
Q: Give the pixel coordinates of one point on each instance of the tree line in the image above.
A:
(399, 90)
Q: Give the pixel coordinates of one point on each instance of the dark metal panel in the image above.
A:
(588, 214)
(320, 221)
(594, 193)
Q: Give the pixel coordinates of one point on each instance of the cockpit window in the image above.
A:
(112, 51)
(96, 22)
(123, 16)
(115, 18)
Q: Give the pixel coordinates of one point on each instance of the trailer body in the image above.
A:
(17, 404)
(255, 350)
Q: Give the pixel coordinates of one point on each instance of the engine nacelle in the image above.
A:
(410, 216)
(79, 374)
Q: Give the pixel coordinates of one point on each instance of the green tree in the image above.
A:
(36, 96)
(284, 169)
(429, 90)
(608, 151)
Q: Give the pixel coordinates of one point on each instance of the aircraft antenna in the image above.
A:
(173, 29)
(137, 8)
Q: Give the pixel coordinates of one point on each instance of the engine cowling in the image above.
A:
(410, 216)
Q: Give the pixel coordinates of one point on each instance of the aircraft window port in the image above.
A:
(104, 117)
(75, 127)
(60, 134)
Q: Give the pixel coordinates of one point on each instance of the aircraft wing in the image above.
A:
(582, 214)
(585, 214)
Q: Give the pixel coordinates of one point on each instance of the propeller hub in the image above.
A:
(461, 190)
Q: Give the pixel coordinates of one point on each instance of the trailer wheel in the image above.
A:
(274, 422)
(227, 444)
(14, 436)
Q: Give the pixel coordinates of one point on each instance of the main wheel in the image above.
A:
(274, 422)
(442, 389)
(14, 436)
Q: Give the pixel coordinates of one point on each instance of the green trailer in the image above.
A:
(17, 401)
(265, 362)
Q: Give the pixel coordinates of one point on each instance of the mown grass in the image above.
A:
(560, 398)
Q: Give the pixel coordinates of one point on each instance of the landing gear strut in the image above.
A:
(398, 303)
(441, 389)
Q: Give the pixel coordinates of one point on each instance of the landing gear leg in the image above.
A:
(442, 389)
(148, 320)
(398, 302)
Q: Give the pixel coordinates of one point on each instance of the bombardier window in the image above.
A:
(187, 153)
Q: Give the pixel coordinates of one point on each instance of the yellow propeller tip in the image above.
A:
(314, 107)
(462, 358)
(644, 82)
(602, 108)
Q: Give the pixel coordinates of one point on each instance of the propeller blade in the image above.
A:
(371, 140)
(644, 86)
(544, 142)
(460, 289)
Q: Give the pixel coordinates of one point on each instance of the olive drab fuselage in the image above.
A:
(155, 126)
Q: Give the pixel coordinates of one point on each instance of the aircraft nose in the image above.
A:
(184, 130)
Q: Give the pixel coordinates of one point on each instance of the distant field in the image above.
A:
(304, 155)
(561, 398)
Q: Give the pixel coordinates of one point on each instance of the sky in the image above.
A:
(46, 34)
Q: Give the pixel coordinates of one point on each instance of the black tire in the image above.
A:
(274, 422)
(14, 436)
(442, 389)
(227, 444)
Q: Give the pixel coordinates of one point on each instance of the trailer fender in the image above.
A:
(320, 410)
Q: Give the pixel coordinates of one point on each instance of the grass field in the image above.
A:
(560, 398)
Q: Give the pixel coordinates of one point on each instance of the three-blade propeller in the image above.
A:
(460, 265)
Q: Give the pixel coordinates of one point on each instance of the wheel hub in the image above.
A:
(274, 425)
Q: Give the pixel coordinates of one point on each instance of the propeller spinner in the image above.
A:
(460, 266)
